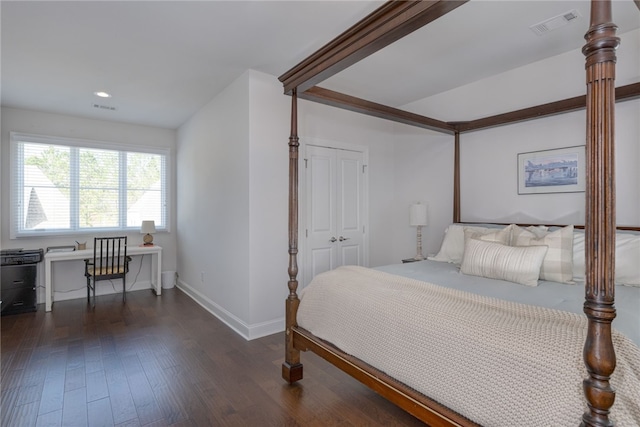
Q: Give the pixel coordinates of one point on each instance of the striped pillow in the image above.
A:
(496, 261)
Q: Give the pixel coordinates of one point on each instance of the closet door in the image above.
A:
(335, 209)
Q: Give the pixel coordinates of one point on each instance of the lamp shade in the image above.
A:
(148, 227)
(418, 215)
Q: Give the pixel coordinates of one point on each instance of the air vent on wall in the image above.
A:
(551, 24)
(104, 107)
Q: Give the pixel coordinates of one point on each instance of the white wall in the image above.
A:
(268, 203)
(68, 277)
(213, 205)
(423, 165)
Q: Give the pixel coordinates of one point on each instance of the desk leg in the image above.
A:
(156, 273)
(47, 285)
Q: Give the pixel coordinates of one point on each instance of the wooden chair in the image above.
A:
(110, 261)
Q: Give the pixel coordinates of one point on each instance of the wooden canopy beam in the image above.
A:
(387, 24)
(351, 103)
(623, 93)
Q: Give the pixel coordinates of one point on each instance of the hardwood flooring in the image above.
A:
(160, 361)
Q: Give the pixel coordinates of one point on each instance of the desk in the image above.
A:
(51, 257)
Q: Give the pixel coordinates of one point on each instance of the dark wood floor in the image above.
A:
(158, 361)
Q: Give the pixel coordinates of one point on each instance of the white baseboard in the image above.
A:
(248, 332)
(104, 288)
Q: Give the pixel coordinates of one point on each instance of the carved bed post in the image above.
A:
(456, 178)
(292, 368)
(600, 223)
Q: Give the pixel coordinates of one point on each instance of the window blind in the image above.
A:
(65, 186)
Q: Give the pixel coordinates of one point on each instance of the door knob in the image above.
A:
(342, 239)
(333, 239)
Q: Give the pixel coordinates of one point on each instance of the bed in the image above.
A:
(405, 382)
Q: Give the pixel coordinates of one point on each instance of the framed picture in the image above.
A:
(552, 171)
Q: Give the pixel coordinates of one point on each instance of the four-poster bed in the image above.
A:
(387, 24)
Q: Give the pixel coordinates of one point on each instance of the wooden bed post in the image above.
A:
(292, 368)
(600, 223)
(456, 178)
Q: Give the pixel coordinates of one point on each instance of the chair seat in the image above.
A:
(106, 271)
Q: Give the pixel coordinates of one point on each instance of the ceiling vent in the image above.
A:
(103, 107)
(556, 22)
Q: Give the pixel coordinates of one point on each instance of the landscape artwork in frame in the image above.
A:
(552, 171)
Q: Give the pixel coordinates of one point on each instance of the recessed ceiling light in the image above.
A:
(102, 94)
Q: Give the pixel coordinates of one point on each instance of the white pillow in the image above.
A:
(558, 262)
(452, 246)
(496, 261)
(627, 258)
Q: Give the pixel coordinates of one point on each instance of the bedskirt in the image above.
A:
(495, 362)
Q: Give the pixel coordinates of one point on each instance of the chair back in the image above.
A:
(109, 256)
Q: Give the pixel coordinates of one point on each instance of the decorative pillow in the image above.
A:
(578, 256)
(498, 236)
(558, 262)
(627, 258)
(452, 246)
(538, 230)
(496, 261)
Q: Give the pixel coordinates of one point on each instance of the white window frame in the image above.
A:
(16, 211)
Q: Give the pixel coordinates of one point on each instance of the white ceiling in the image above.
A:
(477, 40)
(163, 60)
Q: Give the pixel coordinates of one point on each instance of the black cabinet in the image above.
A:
(18, 288)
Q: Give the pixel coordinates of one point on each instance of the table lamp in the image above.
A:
(418, 218)
(148, 228)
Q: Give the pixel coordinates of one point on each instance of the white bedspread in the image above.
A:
(496, 362)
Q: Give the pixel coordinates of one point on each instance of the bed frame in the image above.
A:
(390, 22)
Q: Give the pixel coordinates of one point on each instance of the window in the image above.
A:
(65, 186)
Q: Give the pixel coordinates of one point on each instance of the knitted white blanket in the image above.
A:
(496, 362)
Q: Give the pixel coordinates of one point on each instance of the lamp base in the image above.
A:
(148, 240)
(419, 256)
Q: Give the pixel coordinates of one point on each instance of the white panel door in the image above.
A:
(321, 211)
(349, 207)
(335, 209)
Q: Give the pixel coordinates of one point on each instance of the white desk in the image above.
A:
(51, 257)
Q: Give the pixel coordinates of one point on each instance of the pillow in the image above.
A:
(496, 261)
(452, 246)
(578, 256)
(499, 236)
(538, 230)
(558, 262)
(627, 258)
